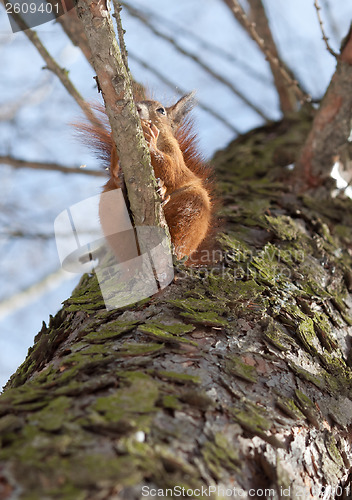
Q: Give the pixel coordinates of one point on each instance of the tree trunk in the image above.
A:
(329, 141)
(235, 377)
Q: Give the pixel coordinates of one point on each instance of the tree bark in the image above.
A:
(235, 377)
(115, 84)
(329, 141)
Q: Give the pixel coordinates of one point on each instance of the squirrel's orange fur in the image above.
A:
(184, 179)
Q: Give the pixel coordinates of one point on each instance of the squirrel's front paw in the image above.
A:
(162, 191)
(151, 134)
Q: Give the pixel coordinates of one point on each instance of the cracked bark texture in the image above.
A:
(329, 141)
(236, 376)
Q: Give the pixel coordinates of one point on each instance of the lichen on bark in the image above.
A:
(237, 375)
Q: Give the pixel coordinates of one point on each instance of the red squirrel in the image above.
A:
(183, 177)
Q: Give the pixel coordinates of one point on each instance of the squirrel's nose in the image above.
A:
(142, 111)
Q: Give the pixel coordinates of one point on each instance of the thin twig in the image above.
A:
(52, 65)
(287, 96)
(325, 38)
(16, 163)
(74, 30)
(121, 32)
(70, 24)
(33, 292)
(240, 15)
(23, 235)
(334, 26)
(35, 94)
(181, 91)
(198, 61)
(202, 43)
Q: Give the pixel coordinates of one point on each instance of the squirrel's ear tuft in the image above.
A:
(180, 110)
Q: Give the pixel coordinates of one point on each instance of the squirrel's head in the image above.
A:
(166, 117)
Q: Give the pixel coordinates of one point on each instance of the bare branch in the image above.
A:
(328, 141)
(33, 292)
(52, 65)
(241, 17)
(198, 61)
(334, 25)
(202, 43)
(182, 91)
(127, 133)
(74, 30)
(35, 94)
(287, 95)
(20, 234)
(16, 163)
(121, 32)
(325, 38)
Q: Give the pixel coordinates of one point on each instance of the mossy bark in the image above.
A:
(236, 376)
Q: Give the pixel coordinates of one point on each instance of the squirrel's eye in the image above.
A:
(161, 111)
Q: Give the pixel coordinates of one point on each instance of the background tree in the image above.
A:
(236, 376)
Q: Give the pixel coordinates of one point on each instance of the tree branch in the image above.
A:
(334, 25)
(116, 88)
(181, 91)
(22, 235)
(274, 61)
(325, 38)
(33, 292)
(198, 61)
(52, 65)
(73, 29)
(287, 94)
(202, 43)
(121, 33)
(17, 163)
(331, 129)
